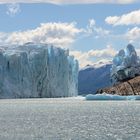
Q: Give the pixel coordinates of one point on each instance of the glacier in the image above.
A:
(126, 65)
(36, 71)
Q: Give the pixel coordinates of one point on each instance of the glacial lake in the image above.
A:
(69, 119)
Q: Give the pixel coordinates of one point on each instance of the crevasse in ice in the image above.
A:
(37, 70)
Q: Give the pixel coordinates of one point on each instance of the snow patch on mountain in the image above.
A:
(93, 77)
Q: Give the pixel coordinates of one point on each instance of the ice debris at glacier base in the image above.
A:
(126, 65)
(37, 70)
(110, 97)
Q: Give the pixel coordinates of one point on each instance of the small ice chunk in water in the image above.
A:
(110, 97)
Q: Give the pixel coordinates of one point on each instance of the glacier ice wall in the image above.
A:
(126, 65)
(37, 70)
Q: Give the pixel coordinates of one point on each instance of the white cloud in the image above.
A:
(92, 23)
(133, 37)
(108, 52)
(13, 9)
(133, 34)
(126, 1)
(82, 57)
(3, 37)
(70, 1)
(132, 18)
(60, 34)
(96, 31)
(86, 58)
(112, 20)
(101, 32)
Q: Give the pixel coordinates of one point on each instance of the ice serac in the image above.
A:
(126, 65)
(125, 74)
(37, 70)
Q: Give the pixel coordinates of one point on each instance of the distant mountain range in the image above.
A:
(93, 77)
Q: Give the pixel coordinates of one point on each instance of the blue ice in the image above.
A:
(111, 97)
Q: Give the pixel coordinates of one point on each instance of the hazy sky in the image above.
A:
(93, 30)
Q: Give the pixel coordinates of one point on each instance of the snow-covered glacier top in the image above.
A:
(37, 70)
(126, 65)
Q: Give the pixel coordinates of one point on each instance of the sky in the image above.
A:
(93, 30)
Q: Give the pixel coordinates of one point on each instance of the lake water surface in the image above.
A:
(69, 119)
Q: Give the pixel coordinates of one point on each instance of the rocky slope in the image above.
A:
(129, 87)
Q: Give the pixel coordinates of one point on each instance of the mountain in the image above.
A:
(37, 70)
(93, 77)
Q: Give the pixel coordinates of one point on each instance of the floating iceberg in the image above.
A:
(37, 70)
(111, 97)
